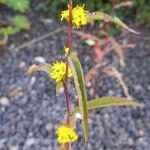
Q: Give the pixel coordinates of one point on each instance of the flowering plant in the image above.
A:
(62, 71)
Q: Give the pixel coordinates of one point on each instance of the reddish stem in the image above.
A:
(67, 100)
(68, 45)
(69, 32)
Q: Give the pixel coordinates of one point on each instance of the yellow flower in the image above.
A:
(66, 134)
(66, 51)
(59, 71)
(79, 16)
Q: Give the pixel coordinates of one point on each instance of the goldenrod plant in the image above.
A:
(63, 71)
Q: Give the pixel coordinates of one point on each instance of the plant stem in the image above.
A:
(68, 45)
(69, 32)
(67, 101)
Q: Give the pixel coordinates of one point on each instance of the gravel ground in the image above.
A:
(30, 112)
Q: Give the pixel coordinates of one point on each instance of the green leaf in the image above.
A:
(18, 22)
(108, 18)
(8, 30)
(43, 67)
(109, 101)
(117, 21)
(3, 1)
(81, 92)
(20, 5)
(21, 22)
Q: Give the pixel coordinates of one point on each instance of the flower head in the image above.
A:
(59, 70)
(66, 49)
(66, 134)
(79, 16)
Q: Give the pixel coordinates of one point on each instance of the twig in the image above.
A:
(33, 41)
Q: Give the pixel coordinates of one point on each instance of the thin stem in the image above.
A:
(67, 101)
(69, 32)
(68, 45)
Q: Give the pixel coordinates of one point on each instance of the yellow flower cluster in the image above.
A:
(79, 16)
(59, 70)
(66, 51)
(66, 134)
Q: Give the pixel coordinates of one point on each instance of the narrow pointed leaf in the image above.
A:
(108, 102)
(108, 18)
(43, 67)
(117, 21)
(81, 92)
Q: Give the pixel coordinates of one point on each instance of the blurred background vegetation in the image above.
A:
(139, 10)
(135, 10)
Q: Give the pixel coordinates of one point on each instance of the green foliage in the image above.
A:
(18, 5)
(144, 18)
(21, 22)
(8, 30)
(107, 102)
(3, 1)
(140, 8)
(81, 92)
(54, 7)
(18, 22)
(108, 18)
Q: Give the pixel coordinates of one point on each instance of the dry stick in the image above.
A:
(33, 41)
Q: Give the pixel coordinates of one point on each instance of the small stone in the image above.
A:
(30, 141)
(138, 88)
(2, 143)
(91, 92)
(4, 101)
(33, 80)
(148, 87)
(14, 148)
(30, 134)
(141, 132)
(90, 42)
(22, 64)
(88, 84)
(40, 59)
(130, 142)
(49, 127)
(111, 92)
